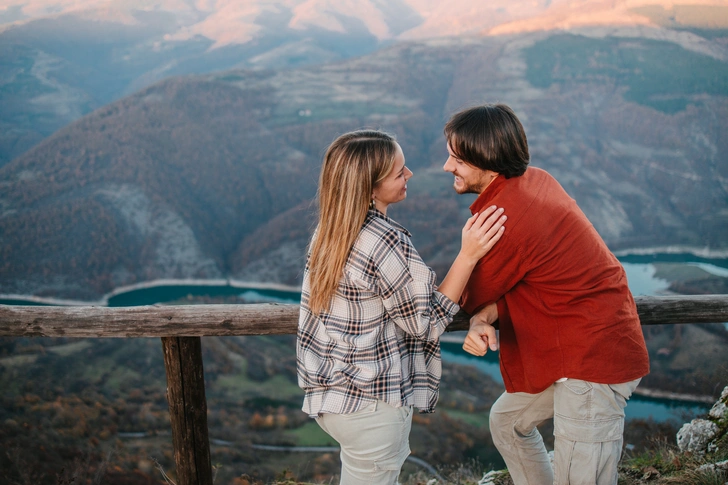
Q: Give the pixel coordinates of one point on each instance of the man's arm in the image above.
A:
(494, 275)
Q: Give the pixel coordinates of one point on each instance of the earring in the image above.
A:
(372, 204)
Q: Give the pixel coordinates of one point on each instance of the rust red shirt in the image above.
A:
(563, 303)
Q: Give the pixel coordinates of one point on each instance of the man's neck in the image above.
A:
(490, 177)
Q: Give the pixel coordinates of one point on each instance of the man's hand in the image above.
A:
(482, 333)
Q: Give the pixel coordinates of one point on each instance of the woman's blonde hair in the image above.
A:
(353, 166)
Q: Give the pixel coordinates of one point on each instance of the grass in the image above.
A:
(476, 420)
(311, 434)
(330, 110)
(240, 386)
(664, 464)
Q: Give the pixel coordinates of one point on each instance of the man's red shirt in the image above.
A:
(564, 306)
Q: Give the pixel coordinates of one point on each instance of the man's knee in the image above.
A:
(501, 422)
(509, 425)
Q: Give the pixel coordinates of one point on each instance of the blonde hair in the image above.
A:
(353, 166)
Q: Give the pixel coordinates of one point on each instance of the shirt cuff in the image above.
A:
(450, 307)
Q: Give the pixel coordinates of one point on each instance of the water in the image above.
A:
(640, 274)
(169, 293)
(641, 407)
(641, 270)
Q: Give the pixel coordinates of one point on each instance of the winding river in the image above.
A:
(641, 273)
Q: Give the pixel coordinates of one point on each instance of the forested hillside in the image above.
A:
(214, 176)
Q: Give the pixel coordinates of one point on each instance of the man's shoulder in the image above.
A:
(532, 183)
(533, 174)
(524, 186)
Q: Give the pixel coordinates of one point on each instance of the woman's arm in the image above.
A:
(407, 285)
(479, 235)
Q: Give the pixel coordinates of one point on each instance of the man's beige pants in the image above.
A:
(588, 429)
(374, 442)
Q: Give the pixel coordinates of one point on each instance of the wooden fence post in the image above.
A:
(187, 409)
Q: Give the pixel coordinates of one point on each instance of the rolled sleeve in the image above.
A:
(407, 287)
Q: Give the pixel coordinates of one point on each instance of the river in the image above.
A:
(641, 273)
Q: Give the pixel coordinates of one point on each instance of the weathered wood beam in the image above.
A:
(267, 319)
(187, 409)
(148, 321)
(659, 310)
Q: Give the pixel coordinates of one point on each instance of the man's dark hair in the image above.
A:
(489, 137)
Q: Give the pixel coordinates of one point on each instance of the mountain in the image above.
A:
(213, 175)
(60, 60)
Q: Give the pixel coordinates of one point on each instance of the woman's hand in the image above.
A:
(481, 232)
(481, 335)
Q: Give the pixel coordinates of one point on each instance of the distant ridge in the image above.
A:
(62, 60)
(213, 176)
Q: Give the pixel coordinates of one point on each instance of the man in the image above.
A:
(571, 343)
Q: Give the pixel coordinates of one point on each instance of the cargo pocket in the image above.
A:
(586, 414)
(573, 399)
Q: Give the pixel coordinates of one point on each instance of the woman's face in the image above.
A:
(394, 187)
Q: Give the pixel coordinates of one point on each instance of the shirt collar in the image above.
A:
(487, 195)
(375, 213)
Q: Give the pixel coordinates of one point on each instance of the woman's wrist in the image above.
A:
(466, 261)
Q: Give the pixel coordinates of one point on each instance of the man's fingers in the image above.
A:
(474, 344)
(472, 350)
(489, 338)
(470, 342)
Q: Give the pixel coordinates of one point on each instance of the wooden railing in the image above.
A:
(180, 328)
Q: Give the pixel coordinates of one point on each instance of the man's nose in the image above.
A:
(447, 166)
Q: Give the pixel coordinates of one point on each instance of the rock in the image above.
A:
(712, 467)
(492, 477)
(695, 435)
(719, 410)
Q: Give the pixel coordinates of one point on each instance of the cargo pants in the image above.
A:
(588, 432)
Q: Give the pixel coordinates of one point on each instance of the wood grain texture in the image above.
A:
(268, 318)
(187, 409)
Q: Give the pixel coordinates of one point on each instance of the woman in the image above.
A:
(371, 315)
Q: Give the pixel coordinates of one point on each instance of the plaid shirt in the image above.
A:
(379, 338)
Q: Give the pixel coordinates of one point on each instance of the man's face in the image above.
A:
(468, 179)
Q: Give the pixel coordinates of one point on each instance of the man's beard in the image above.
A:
(467, 189)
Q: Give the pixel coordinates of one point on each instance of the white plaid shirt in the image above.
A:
(379, 338)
